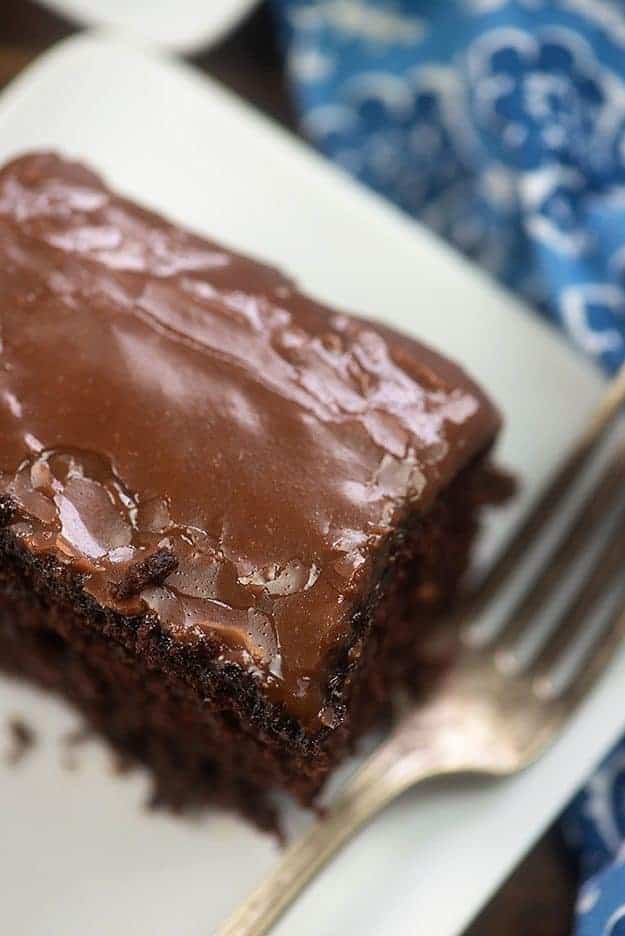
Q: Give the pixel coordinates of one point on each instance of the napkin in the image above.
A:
(501, 125)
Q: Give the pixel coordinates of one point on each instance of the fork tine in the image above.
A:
(604, 650)
(548, 502)
(572, 623)
(574, 539)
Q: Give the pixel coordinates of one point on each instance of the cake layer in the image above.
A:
(194, 441)
(204, 739)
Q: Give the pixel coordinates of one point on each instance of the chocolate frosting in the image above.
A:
(199, 439)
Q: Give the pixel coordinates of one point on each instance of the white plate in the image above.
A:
(182, 25)
(78, 854)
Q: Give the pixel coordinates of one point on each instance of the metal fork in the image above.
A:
(505, 699)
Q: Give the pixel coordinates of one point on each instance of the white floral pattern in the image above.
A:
(501, 125)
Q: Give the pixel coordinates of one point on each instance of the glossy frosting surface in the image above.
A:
(197, 437)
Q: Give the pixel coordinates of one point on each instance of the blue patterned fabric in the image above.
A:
(501, 125)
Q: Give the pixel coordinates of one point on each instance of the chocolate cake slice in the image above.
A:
(228, 514)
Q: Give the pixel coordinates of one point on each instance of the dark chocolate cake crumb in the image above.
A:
(502, 487)
(150, 571)
(22, 740)
(121, 762)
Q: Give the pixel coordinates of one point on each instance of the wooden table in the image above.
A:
(538, 898)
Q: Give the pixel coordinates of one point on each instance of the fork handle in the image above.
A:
(369, 791)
